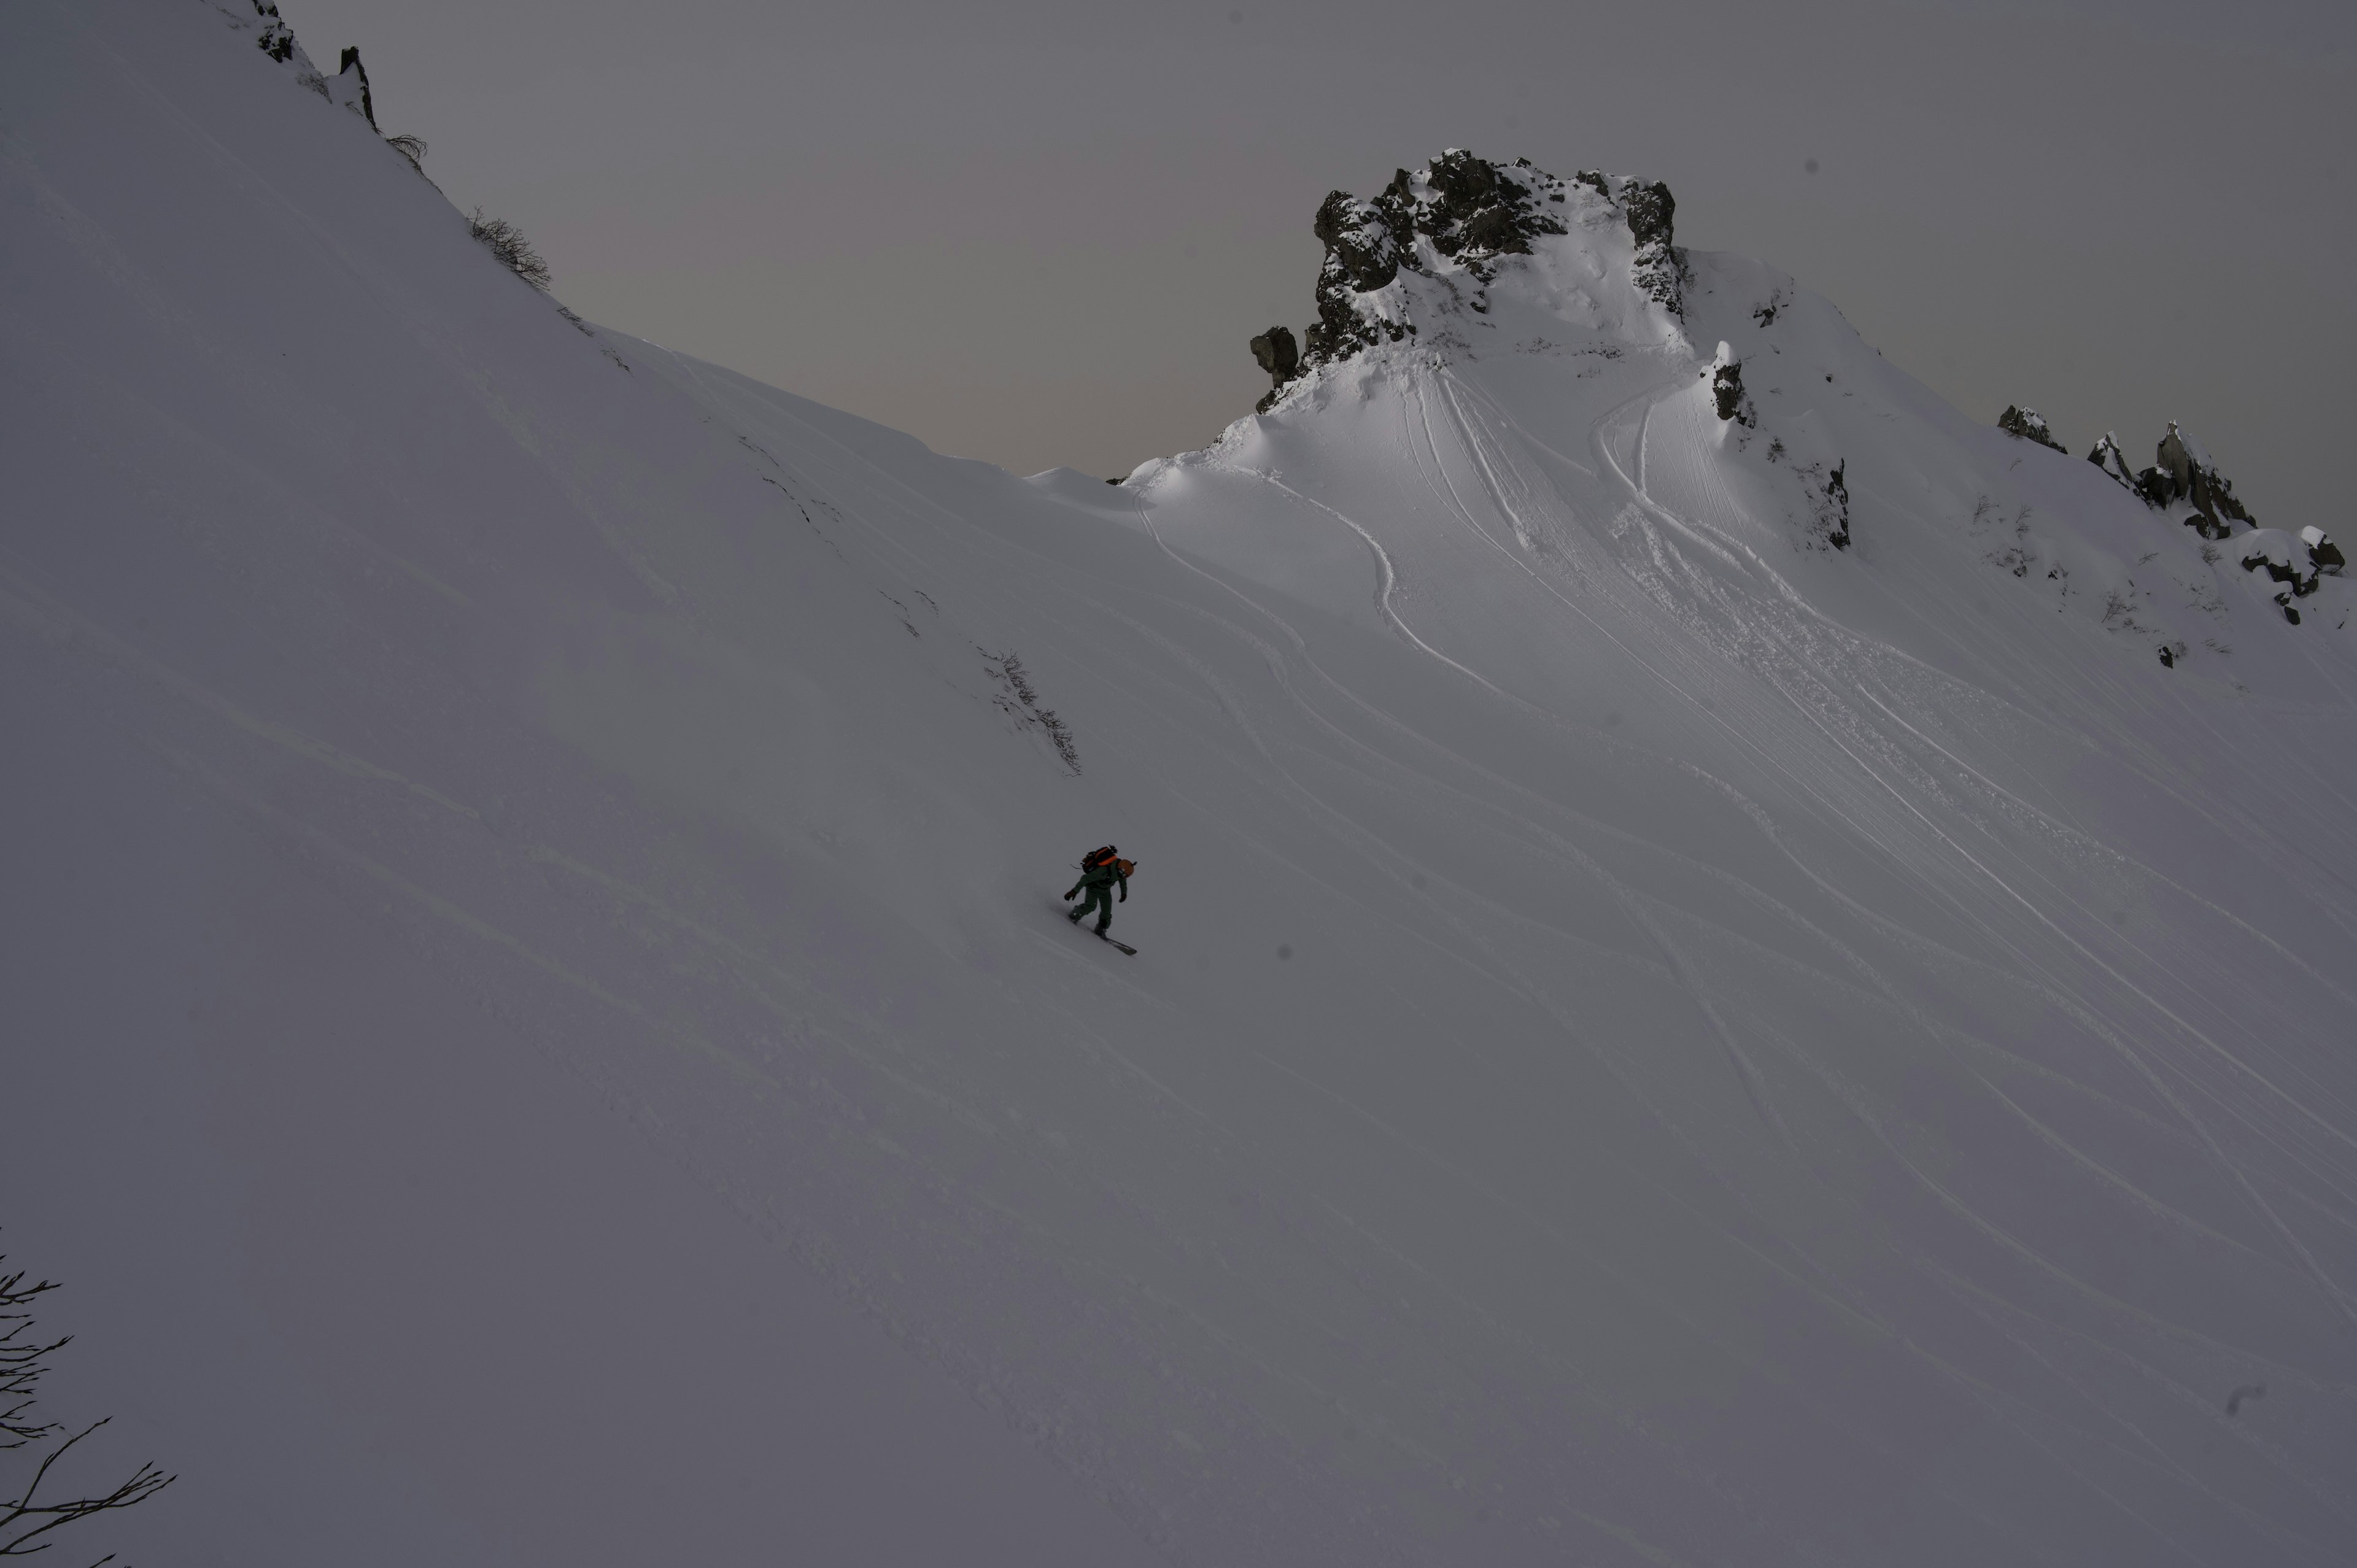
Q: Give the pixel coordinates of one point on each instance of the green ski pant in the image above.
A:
(1099, 898)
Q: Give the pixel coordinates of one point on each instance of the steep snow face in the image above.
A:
(1658, 1036)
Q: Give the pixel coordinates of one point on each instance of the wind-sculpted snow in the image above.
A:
(1654, 1039)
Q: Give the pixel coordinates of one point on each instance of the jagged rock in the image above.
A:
(2193, 475)
(2108, 457)
(1280, 355)
(2176, 461)
(1661, 267)
(2184, 472)
(2028, 424)
(276, 40)
(1478, 211)
(1362, 254)
(1471, 212)
(350, 87)
(1726, 374)
(2323, 552)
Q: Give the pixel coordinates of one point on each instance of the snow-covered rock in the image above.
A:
(2284, 557)
(2030, 425)
(1431, 242)
(2326, 554)
(351, 88)
(2106, 454)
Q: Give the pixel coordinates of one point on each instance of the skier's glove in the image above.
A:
(1068, 897)
(1125, 893)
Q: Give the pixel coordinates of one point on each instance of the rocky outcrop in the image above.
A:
(1362, 254)
(2183, 472)
(2027, 424)
(1661, 267)
(1725, 375)
(1478, 211)
(2284, 557)
(2323, 552)
(1467, 211)
(1280, 355)
(350, 87)
(276, 40)
(2108, 455)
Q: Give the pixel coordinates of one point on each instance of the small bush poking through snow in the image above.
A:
(506, 242)
(414, 149)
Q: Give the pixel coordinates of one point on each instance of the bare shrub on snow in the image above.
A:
(26, 1518)
(506, 242)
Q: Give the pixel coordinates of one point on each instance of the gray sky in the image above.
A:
(1041, 233)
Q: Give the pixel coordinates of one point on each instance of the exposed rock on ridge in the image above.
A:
(2028, 424)
(352, 88)
(1661, 267)
(1466, 211)
(2182, 471)
(1725, 375)
(1280, 355)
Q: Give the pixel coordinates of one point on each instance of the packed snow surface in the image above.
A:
(539, 1028)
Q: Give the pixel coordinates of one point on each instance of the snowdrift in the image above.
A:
(1661, 1034)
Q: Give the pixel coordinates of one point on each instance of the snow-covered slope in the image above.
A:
(533, 927)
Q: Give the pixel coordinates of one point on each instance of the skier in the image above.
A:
(1100, 870)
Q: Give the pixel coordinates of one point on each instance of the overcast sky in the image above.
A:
(1041, 233)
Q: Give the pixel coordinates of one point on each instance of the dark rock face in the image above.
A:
(1652, 213)
(1472, 212)
(278, 39)
(2027, 424)
(2176, 461)
(1362, 254)
(1727, 395)
(352, 77)
(2185, 472)
(1727, 391)
(2323, 552)
(1281, 358)
(1478, 211)
(2108, 457)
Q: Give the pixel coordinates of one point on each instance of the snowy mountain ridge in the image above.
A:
(1657, 1035)
(1464, 260)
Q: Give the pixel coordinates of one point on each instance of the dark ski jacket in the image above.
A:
(1103, 875)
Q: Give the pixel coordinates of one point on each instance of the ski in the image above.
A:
(1101, 937)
